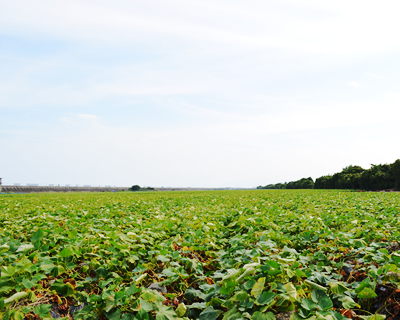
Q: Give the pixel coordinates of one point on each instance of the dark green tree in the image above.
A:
(135, 188)
(395, 173)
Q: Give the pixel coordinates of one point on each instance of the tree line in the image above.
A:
(378, 177)
(139, 188)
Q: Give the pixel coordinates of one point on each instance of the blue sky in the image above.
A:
(196, 93)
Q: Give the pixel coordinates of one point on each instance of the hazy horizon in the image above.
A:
(196, 93)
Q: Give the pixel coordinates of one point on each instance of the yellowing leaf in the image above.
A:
(258, 287)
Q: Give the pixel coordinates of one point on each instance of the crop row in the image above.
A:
(200, 255)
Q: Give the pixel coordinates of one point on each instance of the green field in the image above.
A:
(215, 255)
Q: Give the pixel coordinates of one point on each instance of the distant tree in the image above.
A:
(378, 177)
(324, 182)
(135, 188)
(273, 186)
(304, 183)
(395, 173)
(352, 170)
(139, 188)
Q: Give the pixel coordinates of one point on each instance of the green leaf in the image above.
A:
(367, 293)
(26, 309)
(148, 296)
(348, 302)
(263, 316)
(131, 290)
(47, 267)
(8, 271)
(38, 235)
(114, 314)
(258, 287)
(366, 283)
(31, 296)
(210, 314)
(358, 243)
(240, 296)
(103, 273)
(266, 298)
(132, 259)
(18, 315)
(308, 304)
(163, 258)
(57, 270)
(296, 316)
(228, 286)
(269, 316)
(317, 295)
(191, 294)
(42, 310)
(325, 303)
(63, 289)
(128, 316)
(37, 277)
(338, 287)
(249, 284)
(27, 284)
(146, 306)
(165, 313)
(231, 314)
(142, 315)
(300, 273)
(110, 304)
(66, 252)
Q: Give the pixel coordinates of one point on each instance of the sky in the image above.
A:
(189, 93)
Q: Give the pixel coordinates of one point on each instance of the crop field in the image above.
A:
(259, 254)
